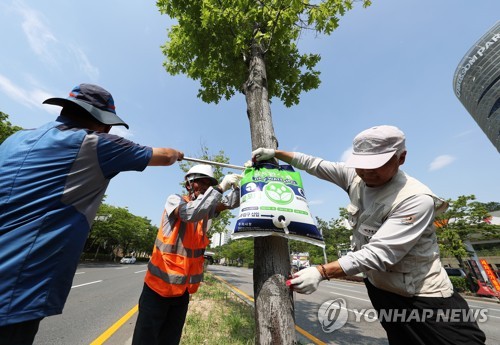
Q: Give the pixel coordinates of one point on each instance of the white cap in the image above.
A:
(373, 147)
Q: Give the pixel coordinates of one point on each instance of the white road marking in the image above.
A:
(361, 299)
(97, 281)
(351, 290)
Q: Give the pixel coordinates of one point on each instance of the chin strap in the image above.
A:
(189, 188)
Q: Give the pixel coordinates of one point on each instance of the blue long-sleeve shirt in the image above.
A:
(52, 180)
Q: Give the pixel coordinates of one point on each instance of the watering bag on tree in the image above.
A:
(273, 203)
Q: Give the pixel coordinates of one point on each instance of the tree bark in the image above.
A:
(274, 308)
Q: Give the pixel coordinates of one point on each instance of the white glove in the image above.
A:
(237, 180)
(306, 281)
(262, 154)
(248, 164)
(230, 180)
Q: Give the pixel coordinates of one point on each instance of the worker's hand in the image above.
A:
(262, 154)
(230, 180)
(237, 180)
(164, 156)
(306, 281)
(248, 164)
(180, 156)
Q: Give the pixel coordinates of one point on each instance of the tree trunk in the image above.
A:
(274, 309)
(97, 252)
(460, 262)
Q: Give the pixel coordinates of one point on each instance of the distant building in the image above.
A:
(495, 217)
(483, 255)
(220, 239)
(490, 245)
(477, 83)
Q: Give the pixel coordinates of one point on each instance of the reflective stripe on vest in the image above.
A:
(177, 260)
(196, 279)
(176, 249)
(167, 278)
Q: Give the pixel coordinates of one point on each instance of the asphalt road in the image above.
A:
(100, 309)
(101, 295)
(307, 306)
(361, 327)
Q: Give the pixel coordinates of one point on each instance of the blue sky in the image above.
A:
(391, 63)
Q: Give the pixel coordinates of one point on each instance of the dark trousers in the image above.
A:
(436, 320)
(22, 333)
(160, 319)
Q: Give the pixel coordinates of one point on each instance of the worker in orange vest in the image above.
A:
(176, 266)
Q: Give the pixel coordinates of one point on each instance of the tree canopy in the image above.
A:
(213, 39)
(6, 128)
(464, 220)
(116, 229)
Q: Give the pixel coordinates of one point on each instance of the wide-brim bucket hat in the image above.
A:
(95, 100)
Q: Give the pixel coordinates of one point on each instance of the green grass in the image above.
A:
(217, 317)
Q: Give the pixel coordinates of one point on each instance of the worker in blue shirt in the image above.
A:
(53, 180)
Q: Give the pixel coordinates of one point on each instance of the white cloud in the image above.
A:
(315, 202)
(464, 134)
(20, 95)
(440, 162)
(38, 34)
(84, 63)
(42, 41)
(36, 96)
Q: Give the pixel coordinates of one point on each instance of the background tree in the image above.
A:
(251, 47)
(463, 219)
(335, 235)
(6, 128)
(145, 239)
(240, 251)
(117, 231)
(102, 233)
(492, 206)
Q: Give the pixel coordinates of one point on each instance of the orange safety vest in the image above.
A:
(177, 260)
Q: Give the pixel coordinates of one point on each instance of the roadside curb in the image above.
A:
(479, 298)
